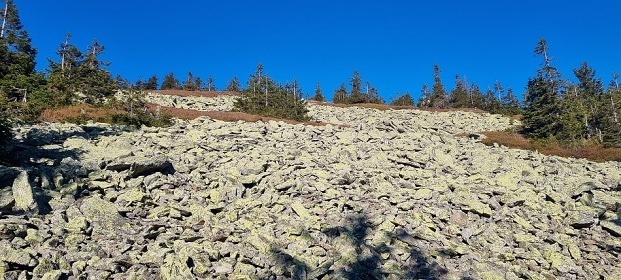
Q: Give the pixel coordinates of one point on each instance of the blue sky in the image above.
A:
(393, 44)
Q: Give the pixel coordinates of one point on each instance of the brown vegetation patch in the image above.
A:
(189, 114)
(195, 93)
(515, 140)
(75, 111)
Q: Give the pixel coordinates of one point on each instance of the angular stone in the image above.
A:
(103, 214)
(146, 166)
(580, 219)
(6, 199)
(11, 255)
(174, 268)
(23, 194)
(613, 227)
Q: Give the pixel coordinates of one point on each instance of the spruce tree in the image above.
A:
(438, 93)
(510, 103)
(211, 84)
(151, 83)
(233, 85)
(588, 95)
(340, 95)
(356, 95)
(542, 112)
(459, 94)
(96, 82)
(609, 116)
(318, 94)
(372, 95)
(80, 77)
(17, 57)
(425, 99)
(264, 97)
(189, 83)
(170, 82)
(403, 100)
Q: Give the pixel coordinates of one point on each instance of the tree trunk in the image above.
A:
(6, 9)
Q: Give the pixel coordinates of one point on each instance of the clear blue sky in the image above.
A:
(393, 44)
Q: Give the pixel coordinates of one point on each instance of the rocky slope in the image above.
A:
(392, 196)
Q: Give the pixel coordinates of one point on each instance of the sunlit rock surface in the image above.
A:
(392, 195)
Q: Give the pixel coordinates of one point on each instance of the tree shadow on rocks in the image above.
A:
(49, 165)
(355, 257)
(379, 261)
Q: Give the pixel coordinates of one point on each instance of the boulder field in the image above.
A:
(372, 195)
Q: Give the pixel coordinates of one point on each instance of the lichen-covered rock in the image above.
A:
(104, 215)
(16, 256)
(23, 194)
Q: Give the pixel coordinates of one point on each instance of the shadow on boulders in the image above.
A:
(365, 261)
(36, 165)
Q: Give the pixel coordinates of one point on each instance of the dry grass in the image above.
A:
(195, 93)
(189, 114)
(514, 140)
(75, 111)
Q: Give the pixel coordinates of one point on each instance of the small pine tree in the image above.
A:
(170, 82)
(264, 97)
(403, 100)
(234, 85)
(425, 99)
(151, 83)
(609, 116)
(190, 83)
(510, 103)
(318, 94)
(211, 84)
(459, 94)
(340, 95)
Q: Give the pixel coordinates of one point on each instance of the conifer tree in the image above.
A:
(372, 95)
(211, 84)
(403, 100)
(589, 92)
(425, 99)
(609, 116)
(510, 103)
(234, 85)
(189, 83)
(459, 94)
(170, 82)
(318, 94)
(17, 57)
(79, 76)
(356, 95)
(438, 93)
(151, 83)
(340, 95)
(264, 97)
(477, 99)
(542, 110)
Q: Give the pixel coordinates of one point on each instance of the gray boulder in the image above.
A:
(23, 194)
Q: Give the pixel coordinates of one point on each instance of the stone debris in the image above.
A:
(392, 195)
